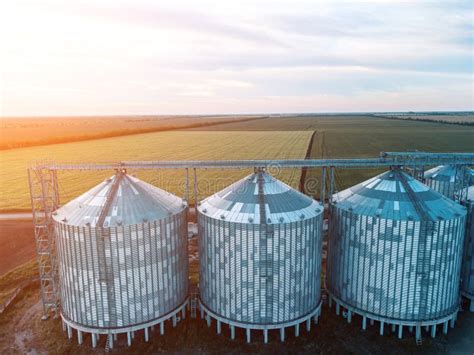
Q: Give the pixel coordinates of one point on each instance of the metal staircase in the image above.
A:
(426, 228)
(44, 201)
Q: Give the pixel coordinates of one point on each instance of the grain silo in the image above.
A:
(395, 249)
(450, 180)
(122, 254)
(260, 256)
(467, 274)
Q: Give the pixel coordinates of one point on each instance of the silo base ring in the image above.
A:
(207, 314)
(430, 325)
(112, 333)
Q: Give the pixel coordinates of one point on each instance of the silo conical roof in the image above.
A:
(257, 196)
(121, 199)
(445, 173)
(396, 195)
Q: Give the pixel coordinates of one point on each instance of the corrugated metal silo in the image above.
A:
(395, 250)
(467, 274)
(260, 256)
(122, 254)
(450, 180)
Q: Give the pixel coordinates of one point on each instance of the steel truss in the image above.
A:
(45, 195)
(44, 201)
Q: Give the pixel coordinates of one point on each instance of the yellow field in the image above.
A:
(28, 132)
(171, 145)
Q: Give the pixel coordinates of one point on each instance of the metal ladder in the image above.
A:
(422, 263)
(44, 201)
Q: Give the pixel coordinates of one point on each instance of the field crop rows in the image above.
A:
(171, 145)
(279, 138)
(367, 137)
(26, 132)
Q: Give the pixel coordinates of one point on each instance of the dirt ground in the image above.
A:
(22, 331)
(17, 243)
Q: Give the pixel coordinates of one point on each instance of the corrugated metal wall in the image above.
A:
(446, 188)
(401, 270)
(260, 274)
(467, 275)
(125, 275)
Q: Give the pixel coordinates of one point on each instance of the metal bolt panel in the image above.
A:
(260, 274)
(401, 270)
(124, 275)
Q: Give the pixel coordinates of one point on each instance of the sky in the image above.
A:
(112, 57)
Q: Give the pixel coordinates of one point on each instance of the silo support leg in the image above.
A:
(218, 326)
(265, 336)
(79, 337)
(433, 331)
(381, 327)
(410, 328)
(349, 316)
(452, 322)
(116, 336)
(330, 302)
(202, 313)
(400, 331)
(94, 340)
(371, 322)
(69, 332)
(249, 335)
(364, 323)
(471, 306)
(64, 325)
(183, 313)
(282, 334)
(162, 328)
(232, 332)
(129, 338)
(208, 320)
(338, 309)
(174, 320)
(308, 325)
(394, 328)
(418, 333)
(427, 328)
(297, 330)
(146, 335)
(111, 341)
(316, 319)
(445, 327)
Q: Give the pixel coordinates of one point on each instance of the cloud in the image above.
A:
(183, 57)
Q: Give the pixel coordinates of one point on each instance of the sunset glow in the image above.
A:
(177, 57)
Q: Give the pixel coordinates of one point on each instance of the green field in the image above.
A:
(278, 138)
(172, 145)
(367, 137)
